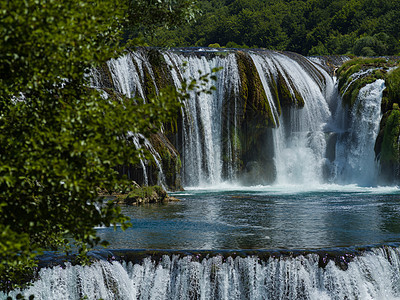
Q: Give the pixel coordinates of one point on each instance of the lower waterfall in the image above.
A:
(373, 274)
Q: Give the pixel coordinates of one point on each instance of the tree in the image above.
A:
(59, 138)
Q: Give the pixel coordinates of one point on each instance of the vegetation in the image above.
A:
(387, 145)
(392, 95)
(144, 195)
(390, 145)
(358, 72)
(308, 27)
(252, 93)
(59, 139)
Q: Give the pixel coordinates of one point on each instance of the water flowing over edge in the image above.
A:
(274, 118)
(322, 274)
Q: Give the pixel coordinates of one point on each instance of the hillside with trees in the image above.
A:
(308, 27)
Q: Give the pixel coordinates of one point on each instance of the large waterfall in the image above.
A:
(273, 117)
(371, 275)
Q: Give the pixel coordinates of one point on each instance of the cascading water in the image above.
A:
(203, 114)
(127, 74)
(355, 159)
(315, 139)
(299, 140)
(371, 275)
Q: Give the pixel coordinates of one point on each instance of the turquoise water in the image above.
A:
(264, 217)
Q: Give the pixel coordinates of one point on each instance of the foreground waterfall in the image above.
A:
(373, 274)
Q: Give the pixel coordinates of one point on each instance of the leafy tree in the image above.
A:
(151, 18)
(59, 138)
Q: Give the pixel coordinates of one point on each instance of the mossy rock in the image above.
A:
(144, 195)
(105, 77)
(252, 94)
(161, 71)
(387, 146)
(392, 92)
(350, 95)
(389, 151)
(288, 94)
(170, 160)
(349, 88)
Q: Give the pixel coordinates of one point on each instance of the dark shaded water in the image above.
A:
(283, 217)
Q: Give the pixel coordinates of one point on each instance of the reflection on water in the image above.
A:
(264, 218)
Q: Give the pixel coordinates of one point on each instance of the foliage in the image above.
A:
(390, 143)
(148, 17)
(392, 82)
(313, 27)
(59, 138)
(145, 194)
(358, 72)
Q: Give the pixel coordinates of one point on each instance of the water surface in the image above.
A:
(264, 217)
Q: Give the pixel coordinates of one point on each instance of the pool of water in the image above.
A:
(264, 217)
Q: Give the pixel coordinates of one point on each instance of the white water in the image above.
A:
(128, 77)
(299, 141)
(203, 116)
(209, 148)
(373, 275)
(355, 157)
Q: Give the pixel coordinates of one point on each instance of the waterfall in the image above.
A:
(203, 116)
(370, 275)
(355, 157)
(302, 133)
(128, 78)
(299, 141)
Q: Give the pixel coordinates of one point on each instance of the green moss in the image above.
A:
(362, 61)
(252, 92)
(170, 160)
(345, 76)
(390, 143)
(107, 81)
(350, 95)
(350, 67)
(145, 194)
(286, 97)
(275, 92)
(392, 92)
(350, 88)
(161, 71)
(235, 139)
(149, 86)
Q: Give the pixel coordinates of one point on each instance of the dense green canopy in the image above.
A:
(360, 27)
